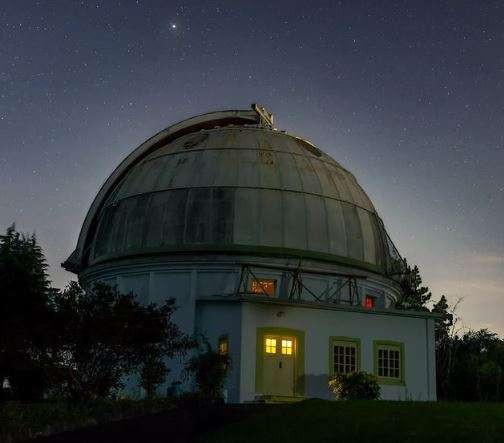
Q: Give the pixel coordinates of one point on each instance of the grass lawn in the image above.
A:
(326, 421)
(19, 422)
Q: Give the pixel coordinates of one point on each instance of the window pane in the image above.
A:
(223, 346)
(344, 358)
(263, 287)
(287, 347)
(270, 345)
(389, 362)
(369, 302)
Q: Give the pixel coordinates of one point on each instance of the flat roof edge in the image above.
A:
(318, 305)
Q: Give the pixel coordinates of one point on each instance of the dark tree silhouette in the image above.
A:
(413, 295)
(209, 369)
(444, 348)
(106, 335)
(25, 316)
(478, 367)
(153, 372)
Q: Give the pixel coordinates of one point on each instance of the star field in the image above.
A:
(408, 95)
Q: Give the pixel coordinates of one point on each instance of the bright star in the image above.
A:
(173, 26)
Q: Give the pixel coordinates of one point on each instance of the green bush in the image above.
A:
(355, 386)
(209, 369)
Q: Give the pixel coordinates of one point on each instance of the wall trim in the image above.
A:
(304, 304)
(342, 339)
(386, 381)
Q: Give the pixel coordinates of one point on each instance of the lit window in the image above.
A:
(369, 302)
(389, 361)
(223, 345)
(263, 287)
(287, 347)
(270, 345)
(345, 355)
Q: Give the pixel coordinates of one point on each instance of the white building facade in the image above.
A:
(271, 250)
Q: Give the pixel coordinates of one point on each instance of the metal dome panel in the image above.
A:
(239, 188)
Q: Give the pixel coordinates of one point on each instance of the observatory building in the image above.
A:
(271, 250)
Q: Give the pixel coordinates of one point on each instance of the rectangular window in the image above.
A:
(287, 347)
(369, 302)
(223, 345)
(345, 355)
(389, 362)
(263, 286)
(270, 345)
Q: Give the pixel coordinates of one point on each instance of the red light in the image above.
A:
(369, 302)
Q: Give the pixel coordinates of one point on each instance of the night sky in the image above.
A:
(409, 96)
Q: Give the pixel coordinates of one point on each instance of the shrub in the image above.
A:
(355, 386)
(152, 374)
(209, 369)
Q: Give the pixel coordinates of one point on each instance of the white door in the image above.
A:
(279, 354)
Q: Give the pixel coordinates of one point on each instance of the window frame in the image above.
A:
(390, 345)
(356, 342)
(223, 339)
(289, 346)
(269, 346)
(263, 293)
(373, 300)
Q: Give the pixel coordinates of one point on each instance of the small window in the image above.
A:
(263, 286)
(287, 347)
(370, 302)
(223, 345)
(270, 345)
(345, 356)
(389, 361)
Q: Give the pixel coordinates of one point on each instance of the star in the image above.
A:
(173, 26)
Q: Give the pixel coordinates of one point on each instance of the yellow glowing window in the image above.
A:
(270, 345)
(262, 286)
(223, 345)
(287, 347)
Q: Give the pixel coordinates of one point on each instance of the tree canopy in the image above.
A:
(470, 364)
(105, 335)
(26, 316)
(413, 295)
(78, 343)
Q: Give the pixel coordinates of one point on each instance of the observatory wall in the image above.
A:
(318, 326)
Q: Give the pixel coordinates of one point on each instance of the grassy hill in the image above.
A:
(356, 422)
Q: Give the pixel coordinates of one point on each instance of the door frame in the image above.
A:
(299, 358)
